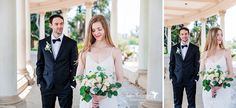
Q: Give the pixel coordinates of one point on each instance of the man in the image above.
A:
(184, 67)
(56, 66)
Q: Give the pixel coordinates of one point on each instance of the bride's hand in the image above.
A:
(96, 100)
(231, 76)
(214, 90)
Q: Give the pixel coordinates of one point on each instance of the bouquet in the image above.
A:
(215, 78)
(97, 83)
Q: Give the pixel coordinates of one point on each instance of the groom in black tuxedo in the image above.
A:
(184, 67)
(56, 66)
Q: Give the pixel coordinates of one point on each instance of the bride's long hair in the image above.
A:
(211, 42)
(90, 40)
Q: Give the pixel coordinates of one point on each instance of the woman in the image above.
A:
(99, 50)
(215, 54)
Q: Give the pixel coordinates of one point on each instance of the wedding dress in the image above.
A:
(225, 98)
(108, 65)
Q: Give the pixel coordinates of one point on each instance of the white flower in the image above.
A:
(48, 47)
(106, 82)
(217, 74)
(178, 51)
(99, 79)
(104, 88)
(220, 81)
(113, 89)
(91, 90)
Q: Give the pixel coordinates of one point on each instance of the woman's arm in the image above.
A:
(117, 55)
(202, 62)
(81, 66)
(229, 63)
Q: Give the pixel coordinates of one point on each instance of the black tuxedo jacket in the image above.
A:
(184, 70)
(57, 72)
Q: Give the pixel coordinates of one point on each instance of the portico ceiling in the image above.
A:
(186, 11)
(37, 6)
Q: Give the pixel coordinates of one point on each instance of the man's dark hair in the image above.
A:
(184, 28)
(55, 16)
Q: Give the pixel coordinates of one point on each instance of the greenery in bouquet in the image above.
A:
(97, 83)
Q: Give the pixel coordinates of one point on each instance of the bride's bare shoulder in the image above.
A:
(227, 53)
(116, 52)
(204, 53)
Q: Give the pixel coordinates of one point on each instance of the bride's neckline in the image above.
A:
(216, 59)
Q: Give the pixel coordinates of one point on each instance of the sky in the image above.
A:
(128, 15)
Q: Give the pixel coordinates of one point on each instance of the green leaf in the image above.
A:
(99, 68)
(82, 90)
(87, 97)
(118, 85)
(96, 90)
(110, 94)
(115, 93)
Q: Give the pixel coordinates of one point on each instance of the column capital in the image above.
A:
(65, 10)
(8, 100)
(42, 13)
(203, 19)
(222, 12)
(185, 24)
(169, 27)
(89, 4)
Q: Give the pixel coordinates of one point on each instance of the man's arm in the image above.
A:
(172, 63)
(197, 63)
(40, 63)
(74, 63)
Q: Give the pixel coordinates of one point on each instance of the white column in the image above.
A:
(114, 17)
(42, 25)
(222, 22)
(21, 38)
(65, 16)
(8, 67)
(203, 33)
(28, 32)
(143, 36)
(88, 5)
(155, 55)
(169, 39)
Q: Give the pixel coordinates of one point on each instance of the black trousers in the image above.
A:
(190, 88)
(49, 97)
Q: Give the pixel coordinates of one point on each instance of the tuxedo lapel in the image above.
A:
(180, 53)
(62, 47)
(50, 43)
(188, 51)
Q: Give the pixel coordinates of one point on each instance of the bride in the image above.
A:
(215, 54)
(99, 50)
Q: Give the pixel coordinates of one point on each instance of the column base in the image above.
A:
(12, 102)
(142, 78)
(150, 104)
(26, 74)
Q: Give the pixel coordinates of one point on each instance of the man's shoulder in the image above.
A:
(70, 40)
(194, 46)
(176, 45)
(43, 40)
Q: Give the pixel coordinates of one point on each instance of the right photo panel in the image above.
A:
(199, 54)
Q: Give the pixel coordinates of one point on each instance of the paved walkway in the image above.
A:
(130, 95)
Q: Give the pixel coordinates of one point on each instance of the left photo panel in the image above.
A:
(81, 54)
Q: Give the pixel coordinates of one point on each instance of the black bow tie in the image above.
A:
(184, 46)
(54, 40)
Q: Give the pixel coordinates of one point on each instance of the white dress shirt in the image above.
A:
(184, 50)
(56, 46)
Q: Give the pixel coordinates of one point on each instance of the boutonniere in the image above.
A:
(178, 51)
(48, 47)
